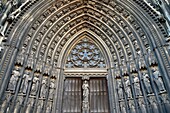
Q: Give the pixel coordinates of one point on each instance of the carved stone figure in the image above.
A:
(142, 105)
(35, 84)
(132, 106)
(48, 110)
(120, 90)
(52, 88)
(147, 83)
(3, 20)
(158, 80)
(25, 82)
(13, 81)
(163, 8)
(85, 91)
(85, 106)
(40, 105)
(11, 11)
(127, 88)
(30, 103)
(137, 86)
(43, 92)
(19, 102)
(122, 106)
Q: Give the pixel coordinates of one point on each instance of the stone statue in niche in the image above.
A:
(35, 85)
(43, 92)
(52, 88)
(158, 80)
(147, 83)
(85, 91)
(120, 90)
(13, 81)
(127, 88)
(85, 104)
(137, 86)
(25, 82)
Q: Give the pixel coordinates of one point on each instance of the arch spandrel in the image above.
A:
(132, 47)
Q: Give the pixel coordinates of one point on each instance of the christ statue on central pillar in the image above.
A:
(85, 107)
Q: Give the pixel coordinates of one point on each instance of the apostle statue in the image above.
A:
(25, 82)
(127, 88)
(137, 86)
(158, 80)
(120, 90)
(13, 81)
(35, 85)
(147, 83)
(43, 92)
(52, 88)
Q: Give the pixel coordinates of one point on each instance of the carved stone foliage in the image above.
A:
(85, 54)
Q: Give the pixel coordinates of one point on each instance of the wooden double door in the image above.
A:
(98, 95)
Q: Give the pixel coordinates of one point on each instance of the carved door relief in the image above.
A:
(85, 96)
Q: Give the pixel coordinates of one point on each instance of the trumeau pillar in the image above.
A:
(122, 44)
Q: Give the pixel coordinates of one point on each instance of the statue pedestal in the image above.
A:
(85, 107)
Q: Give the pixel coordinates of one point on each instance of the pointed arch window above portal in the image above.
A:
(85, 54)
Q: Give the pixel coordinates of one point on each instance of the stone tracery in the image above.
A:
(85, 54)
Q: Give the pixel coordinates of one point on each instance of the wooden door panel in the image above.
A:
(98, 97)
(72, 95)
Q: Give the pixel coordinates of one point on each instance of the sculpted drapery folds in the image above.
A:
(147, 84)
(158, 80)
(13, 81)
(25, 82)
(35, 84)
